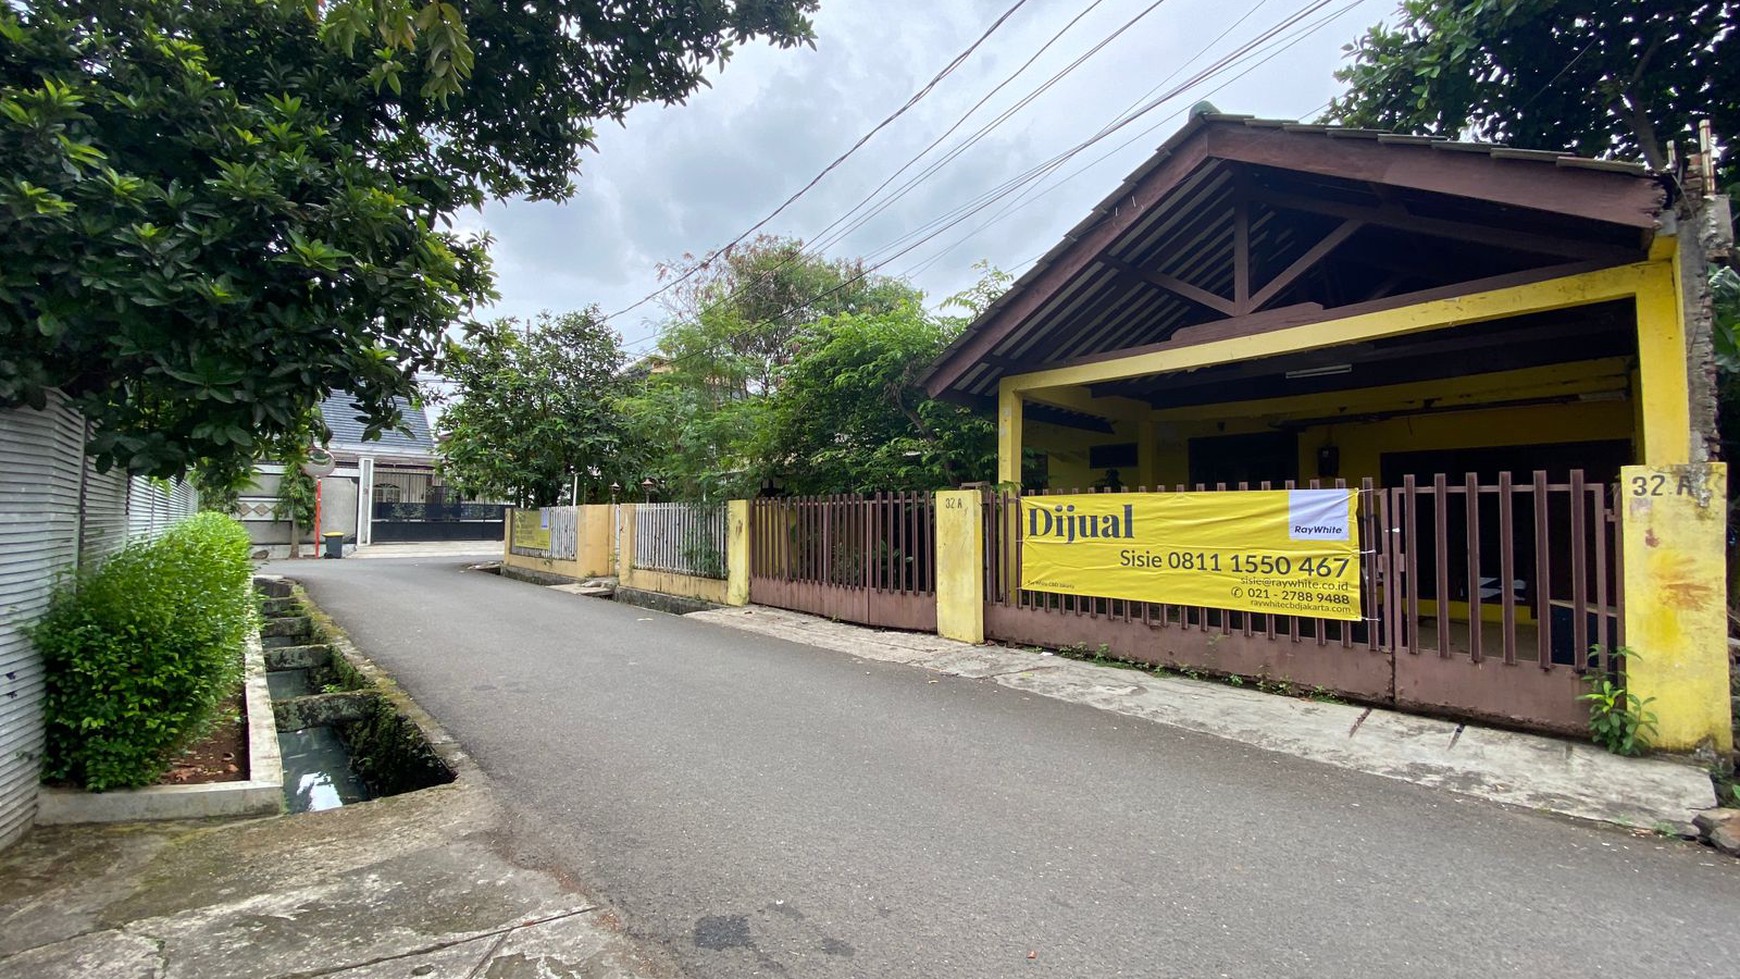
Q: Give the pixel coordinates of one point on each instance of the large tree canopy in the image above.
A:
(1610, 78)
(849, 415)
(214, 212)
(535, 410)
(783, 369)
(702, 409)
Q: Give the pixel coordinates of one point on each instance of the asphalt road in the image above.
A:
(763, 808)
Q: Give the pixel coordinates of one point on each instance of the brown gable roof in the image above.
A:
(1077, 299)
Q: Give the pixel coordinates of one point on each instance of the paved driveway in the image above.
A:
(762, 808)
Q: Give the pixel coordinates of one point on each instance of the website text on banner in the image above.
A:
(1291, 552)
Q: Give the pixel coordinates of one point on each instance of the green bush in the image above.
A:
(140, 652)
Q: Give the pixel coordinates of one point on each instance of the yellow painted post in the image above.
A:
(1674, 523)
(1664, 400)
(960, 565)
(507, 534)
(737, 552)
(1147, 453)
(625, 548)
(1008, 435)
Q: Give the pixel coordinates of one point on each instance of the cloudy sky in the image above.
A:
(692, 177)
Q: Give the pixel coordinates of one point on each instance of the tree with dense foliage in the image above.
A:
(215, 212)
(701, 410)
(849, 415)
(535, 410)
(1613, 78)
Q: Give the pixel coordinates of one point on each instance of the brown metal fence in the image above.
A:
(1481, 600)
(865, 559)
(1496, 594)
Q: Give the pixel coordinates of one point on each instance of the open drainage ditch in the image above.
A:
(342, 741)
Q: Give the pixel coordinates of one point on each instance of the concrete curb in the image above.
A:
(261, 794)
(1532, 771)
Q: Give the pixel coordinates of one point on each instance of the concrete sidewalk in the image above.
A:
(429, 884)
(1542, 773)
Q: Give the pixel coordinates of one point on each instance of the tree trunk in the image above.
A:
(1706, 233)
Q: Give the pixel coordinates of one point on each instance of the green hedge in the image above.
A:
(140, 652)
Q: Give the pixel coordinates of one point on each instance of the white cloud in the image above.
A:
(690, 178)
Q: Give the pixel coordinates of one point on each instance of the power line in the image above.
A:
(823, 241)
(1253, 46)
(1025, 200)
(1247, 49)
(806, 188)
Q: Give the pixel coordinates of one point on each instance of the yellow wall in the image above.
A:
(737, 552)
(1676, 619)
(1363, 443)
(715, 590)
(592, 551)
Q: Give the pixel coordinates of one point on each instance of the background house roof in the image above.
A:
(340, 413)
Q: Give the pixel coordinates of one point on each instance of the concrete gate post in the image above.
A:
(960, 565)
(1674, 525)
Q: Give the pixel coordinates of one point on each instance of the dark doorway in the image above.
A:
(1599, 461)
(1252, 459)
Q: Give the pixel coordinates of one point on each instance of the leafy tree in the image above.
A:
(849, 415)
(536, 408)
(214, 212)
(1613, 78)
(701, 406)
(747, 304)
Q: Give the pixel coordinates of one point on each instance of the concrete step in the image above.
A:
(273, 587)
(298, 657)
(323, 709)
(287, 626)
(280, 607)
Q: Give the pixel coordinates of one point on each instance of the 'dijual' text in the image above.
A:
(1062, 523)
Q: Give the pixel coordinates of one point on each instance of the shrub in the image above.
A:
(139, 652)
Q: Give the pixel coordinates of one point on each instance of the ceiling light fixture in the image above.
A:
(1320, 371)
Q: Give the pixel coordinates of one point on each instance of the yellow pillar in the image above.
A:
(507, 533)
(1674, 523)
(625, 548)
(1664, 401)
(1147, 453)
(737, 552)
(1008, 435)
(960, 565)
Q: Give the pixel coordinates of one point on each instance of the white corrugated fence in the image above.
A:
(57, 514)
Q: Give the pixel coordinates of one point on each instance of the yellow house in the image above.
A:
(1489, 343)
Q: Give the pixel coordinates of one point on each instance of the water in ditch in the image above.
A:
(284, 684)
(317, 772)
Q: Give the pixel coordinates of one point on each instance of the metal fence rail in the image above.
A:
(684, 538)
(865, 559)
(454, 511)
(1483, 600)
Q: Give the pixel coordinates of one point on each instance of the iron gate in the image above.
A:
(436, 522)
(1480, 600)
(865, 559)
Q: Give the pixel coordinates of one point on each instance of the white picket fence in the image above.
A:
(685, 538)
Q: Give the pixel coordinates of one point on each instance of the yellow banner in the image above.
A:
(1291, 552)
(530, 533)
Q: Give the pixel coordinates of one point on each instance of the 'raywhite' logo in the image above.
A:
(1317, 514)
